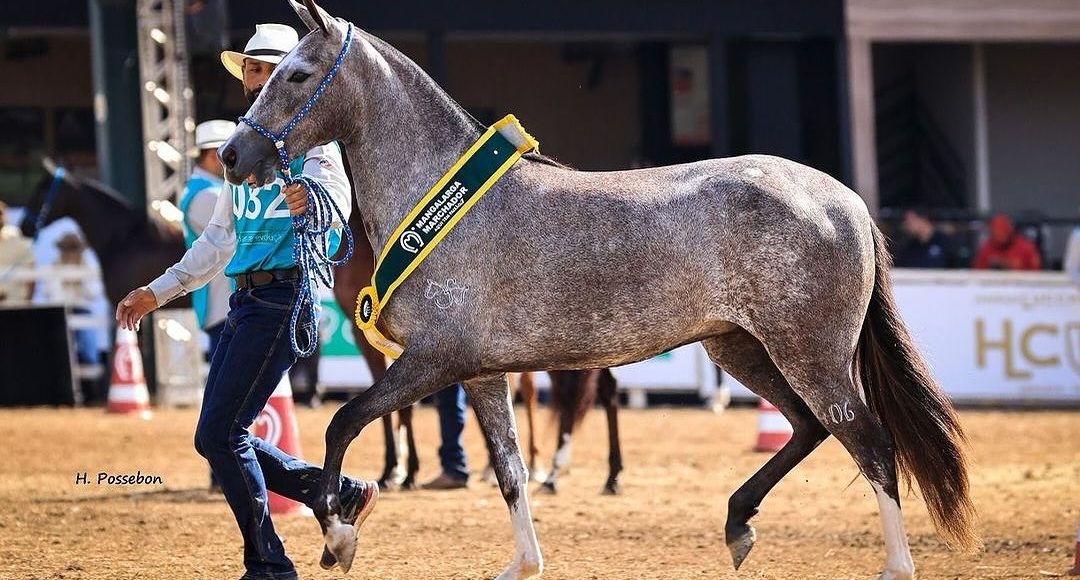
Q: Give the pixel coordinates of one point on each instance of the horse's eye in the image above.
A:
(298, 77)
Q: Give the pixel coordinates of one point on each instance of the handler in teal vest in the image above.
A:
(211, 302)
(250, 236)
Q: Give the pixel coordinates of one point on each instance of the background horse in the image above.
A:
(778, 269)
(132, 245)
(573, 394)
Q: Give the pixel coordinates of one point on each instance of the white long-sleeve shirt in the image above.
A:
(213, 249)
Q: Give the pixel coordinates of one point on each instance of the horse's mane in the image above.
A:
(143, 221)
(94, 186)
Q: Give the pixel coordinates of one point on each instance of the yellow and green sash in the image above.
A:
(434, 216)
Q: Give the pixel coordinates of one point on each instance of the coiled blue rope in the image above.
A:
(311, 242)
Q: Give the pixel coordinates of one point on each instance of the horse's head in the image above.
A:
(57, 191)
(292, 84)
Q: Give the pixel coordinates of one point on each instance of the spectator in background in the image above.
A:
(74, 283)
(1006, 249)
(16, 251)
(211, 302)
(927, 247)
(1072, 256)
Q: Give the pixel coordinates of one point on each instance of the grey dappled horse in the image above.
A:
(775, 267)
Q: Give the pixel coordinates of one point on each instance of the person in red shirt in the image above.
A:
(1006, 249)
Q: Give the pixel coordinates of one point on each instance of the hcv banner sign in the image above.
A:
(996, 336)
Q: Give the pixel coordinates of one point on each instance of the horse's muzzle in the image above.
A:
(248, 154)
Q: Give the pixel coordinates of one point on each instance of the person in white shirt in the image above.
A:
(16, 253)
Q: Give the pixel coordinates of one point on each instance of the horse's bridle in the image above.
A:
(311, 250)
(46, 204)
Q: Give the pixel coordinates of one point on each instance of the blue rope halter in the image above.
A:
(311, 245)
(46, 204)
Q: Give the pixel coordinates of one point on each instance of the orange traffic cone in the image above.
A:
(276, 425)
(774, 431)
(127, 389)
(1076, 554)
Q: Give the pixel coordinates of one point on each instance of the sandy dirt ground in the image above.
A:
(681, 466)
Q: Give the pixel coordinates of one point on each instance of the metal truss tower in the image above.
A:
(167, 113)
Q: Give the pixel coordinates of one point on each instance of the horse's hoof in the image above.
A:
(327, 561)
(387, 484)
(740, 544)
(897, 575)
(538, 475)
(340, 541)
(522, 569)
(548, 487)
(409, 484)
(612, 488)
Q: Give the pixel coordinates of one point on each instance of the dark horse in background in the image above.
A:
(135, 246)
(132, 245)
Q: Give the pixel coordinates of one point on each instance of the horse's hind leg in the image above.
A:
(567, 387)
(388, 479)
(744, 357)
(412, 464)
(528, 396)
(495, 412)
(609, 398)
(828, 390)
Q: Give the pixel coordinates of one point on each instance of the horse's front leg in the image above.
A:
(414, 376)
(494, 410)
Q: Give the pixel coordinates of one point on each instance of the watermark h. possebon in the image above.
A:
(104, 478)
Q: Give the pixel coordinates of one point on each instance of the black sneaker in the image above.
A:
(354, 511)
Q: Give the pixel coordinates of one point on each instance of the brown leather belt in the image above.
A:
(264, 277)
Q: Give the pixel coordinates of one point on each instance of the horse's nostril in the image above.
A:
(228, 157)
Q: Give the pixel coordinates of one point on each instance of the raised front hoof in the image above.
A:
(548, 487)
(897, 575)
(740, 543)
(611, 488)
(522, 569)
(340, 541)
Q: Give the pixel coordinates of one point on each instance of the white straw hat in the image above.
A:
(211, 134)
(270, 44)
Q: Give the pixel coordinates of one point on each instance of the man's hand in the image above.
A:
(134, 306)
(296, 198)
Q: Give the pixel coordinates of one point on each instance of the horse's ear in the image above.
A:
(314, 17)
(304, 15)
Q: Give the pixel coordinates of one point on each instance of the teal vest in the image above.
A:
(194, 185)
(264, 235)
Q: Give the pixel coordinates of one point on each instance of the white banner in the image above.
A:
(996, 336)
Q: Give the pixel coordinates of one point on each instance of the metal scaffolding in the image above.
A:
(167, 118)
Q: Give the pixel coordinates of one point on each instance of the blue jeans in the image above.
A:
(252, 356)
(450, 403)
(214, 335)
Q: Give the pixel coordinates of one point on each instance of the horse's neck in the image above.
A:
(408, 133)
(102, 225)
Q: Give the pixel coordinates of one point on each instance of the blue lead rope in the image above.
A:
(311, 242)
